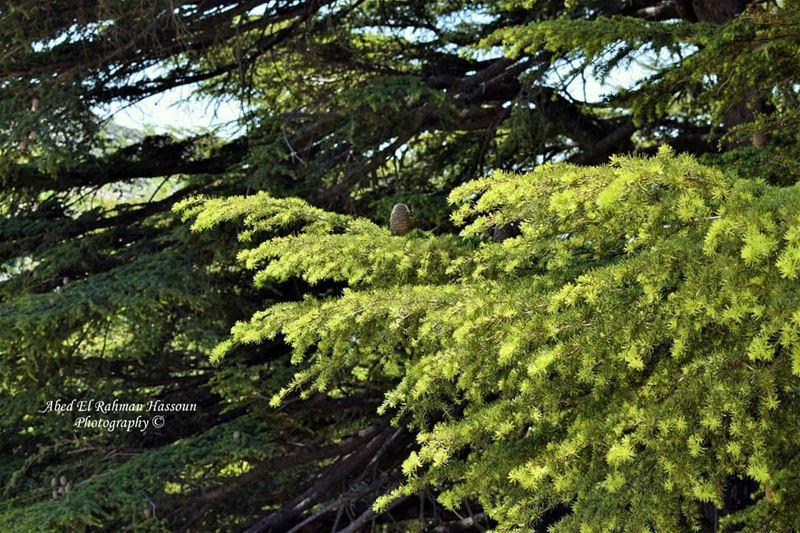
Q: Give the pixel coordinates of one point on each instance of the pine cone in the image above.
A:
(400, 220)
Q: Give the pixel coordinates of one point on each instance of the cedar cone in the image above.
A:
(400, 219)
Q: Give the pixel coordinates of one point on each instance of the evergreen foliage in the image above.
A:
(622, 357)
(628, 356)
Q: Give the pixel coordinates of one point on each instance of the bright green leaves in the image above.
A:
(760, 349)
(705, 491)
(789, 262)
(639, 335)
(757, 246)
(620, 452)
(570, 215)
(411, 464)
(528, 476)
(309, 243)
(758, 470)
(260, 213)
(789, 259)
(691, 206)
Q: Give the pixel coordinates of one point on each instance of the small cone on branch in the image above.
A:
(53, 482)
(35, 103)
(400, 219)
(237, 435)
(146, 512)
(55, 494)
(63, 480)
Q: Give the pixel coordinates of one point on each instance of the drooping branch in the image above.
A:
(153, 157)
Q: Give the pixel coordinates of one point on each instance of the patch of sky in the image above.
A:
(183, 111)
(180, 111)
(589, 84)
(73, 34)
